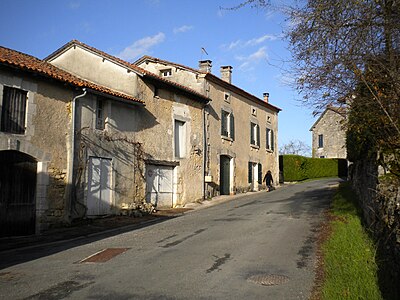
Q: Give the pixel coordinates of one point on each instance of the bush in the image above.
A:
(298, 168)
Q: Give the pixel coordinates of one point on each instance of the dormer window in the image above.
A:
(166, 73)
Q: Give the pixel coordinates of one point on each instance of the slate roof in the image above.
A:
(138, 70)
(212, 78)
(32, 64)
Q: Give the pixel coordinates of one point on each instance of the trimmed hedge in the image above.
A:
(298, 168)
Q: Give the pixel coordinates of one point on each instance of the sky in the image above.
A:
(251, 40)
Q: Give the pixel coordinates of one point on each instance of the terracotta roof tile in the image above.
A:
(30, 63)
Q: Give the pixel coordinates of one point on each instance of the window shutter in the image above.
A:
(272, 140)
(258, 135)
(252, 142)
(224, 125)
(267, 136)
(250, 172)
(232, 125)
(260, 173)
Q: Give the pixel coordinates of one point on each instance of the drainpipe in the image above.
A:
(71, 157)
(204, 151)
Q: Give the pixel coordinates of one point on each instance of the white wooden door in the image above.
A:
(99, 189)
(159, 181)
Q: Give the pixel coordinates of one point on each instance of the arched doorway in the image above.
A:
(17, 193)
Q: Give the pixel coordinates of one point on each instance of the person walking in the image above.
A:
(268, 180)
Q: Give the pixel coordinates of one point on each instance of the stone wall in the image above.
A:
(379, 198)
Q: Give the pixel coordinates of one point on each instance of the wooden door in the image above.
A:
(99, 189)
(225, 179)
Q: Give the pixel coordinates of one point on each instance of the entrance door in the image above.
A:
(159, 185)
(17, 193)
(99, 190)
(225, 179)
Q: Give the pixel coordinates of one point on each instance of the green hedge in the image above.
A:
(297, 168)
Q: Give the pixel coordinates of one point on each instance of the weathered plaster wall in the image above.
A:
(156, 134)
(240, 148)
(334, 136)
(97, 69)
(45, 139)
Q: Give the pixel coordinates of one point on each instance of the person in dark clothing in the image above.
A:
(268, 180)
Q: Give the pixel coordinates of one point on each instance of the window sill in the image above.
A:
(255, 146)
(269, 150)
(226, 138)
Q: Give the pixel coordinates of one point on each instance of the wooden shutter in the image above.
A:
(250, 175)
(258, 135)
(232, 126)
(272, 140)
(260, 173)
(224, 125)
(252, 142)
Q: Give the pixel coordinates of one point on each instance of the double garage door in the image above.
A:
(159, 181)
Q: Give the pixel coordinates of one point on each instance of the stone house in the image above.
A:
(37, 174)
(151, 153)
(241, 129)
(329, 134)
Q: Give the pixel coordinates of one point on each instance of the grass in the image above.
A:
(348, 253)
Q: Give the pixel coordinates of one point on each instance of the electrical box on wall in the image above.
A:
(208, 178)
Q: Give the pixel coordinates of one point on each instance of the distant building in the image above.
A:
(329, 134)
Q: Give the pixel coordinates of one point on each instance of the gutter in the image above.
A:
(70, 190)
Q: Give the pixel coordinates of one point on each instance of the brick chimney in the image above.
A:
(205, 66)
(226, 73)
(266, 97)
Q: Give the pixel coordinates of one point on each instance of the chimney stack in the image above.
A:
(226, 73)
(205, 66)
(266, 97)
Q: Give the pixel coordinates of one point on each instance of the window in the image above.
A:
(166, 73)
(100, 114)
(227, 124)
(260, 174)
(320, 141)
(227, 97)
(13, 110)
(180, 139)
(270, 139)
(254, 134)
(156, 92)
(253, 111)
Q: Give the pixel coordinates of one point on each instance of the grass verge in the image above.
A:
(346, 257)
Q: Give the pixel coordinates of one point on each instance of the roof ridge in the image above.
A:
(28, 62)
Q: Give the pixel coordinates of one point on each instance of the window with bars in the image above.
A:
(227, 124)
(13, 110)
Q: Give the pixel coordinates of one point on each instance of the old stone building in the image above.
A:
(152, 153)
(329, 135)
(240, 129)
(37, 172)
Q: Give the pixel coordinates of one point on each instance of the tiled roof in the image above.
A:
(211, 77)
(133, 67)
(30, 63)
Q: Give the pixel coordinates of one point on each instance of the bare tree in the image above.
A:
(296, 147)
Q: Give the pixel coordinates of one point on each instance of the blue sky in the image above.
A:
(248, 39)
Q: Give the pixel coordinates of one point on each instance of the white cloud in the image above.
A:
(141, 46)
(252, 42)
(74, 5)
(248, 62)
(182, 29)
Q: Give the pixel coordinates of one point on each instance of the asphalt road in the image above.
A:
(227, 251)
